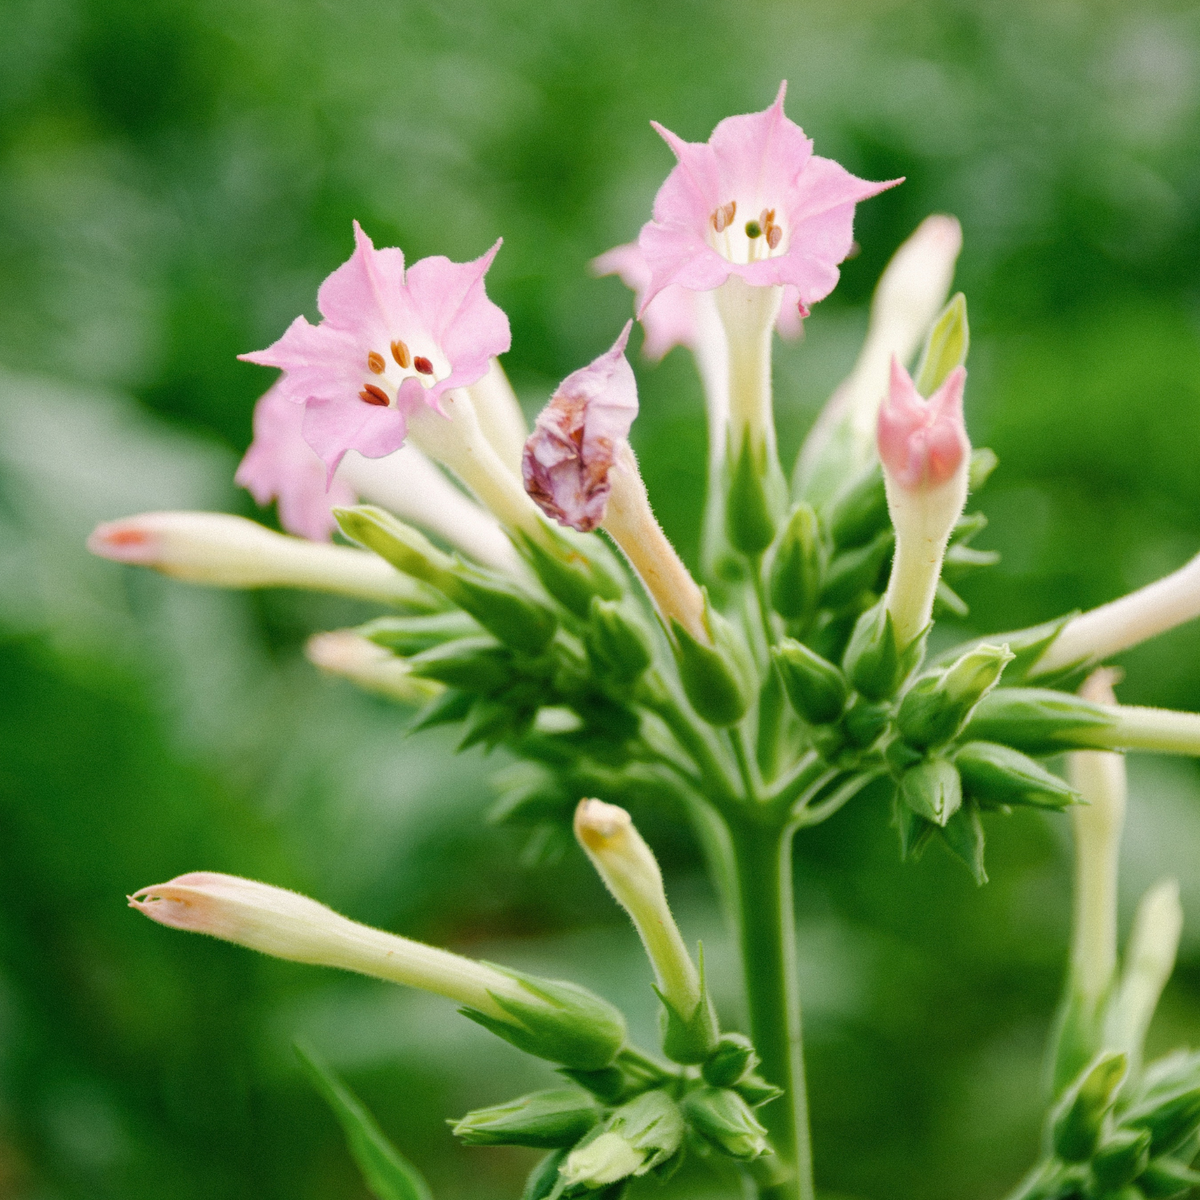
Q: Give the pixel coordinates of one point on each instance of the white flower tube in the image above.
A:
(228, 551)
(500, 416)
(351, 656)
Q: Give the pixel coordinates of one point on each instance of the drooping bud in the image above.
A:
(548, 1018)
(347, 654)
(637, 1138)
(228, 551)
(731, 1061)
(817, 689)
(937, 705)
(932, 790)
(722, 1117)
(630, 871)
(1079, 1120)
(544, 1120)
(926, 455)
(799, 566)
(999, 775)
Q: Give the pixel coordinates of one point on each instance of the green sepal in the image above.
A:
(1026, 645)
(718, 679)
(859, 512)
(449, 708)
(874, 663)
(731, 1060)
(544, 1177)
(618, 642)
(406, 636)
(864, 721)
(630, 1073)
(995, 774)
(915, 832)
(1165, 1178)
(938, 704)
(723, 1118)
(1037, 720)
(388, 1175)
(963, 837)
(1077, 1037)
(983, 463)
(544, 1120)
(404, 547)
(961, 560)
(491, 722)
(1120, 1159)
(651, 1123)
(690, 1038)
(947, 602)
(756, 1091)
(561, 1022)
(798, 567)
(567, 573)
(749, 521)
(1171, 1119)
(932, 790)
(478, 665)
(945, 347)
(853, 572)
(1078, 1120)
(816, 688)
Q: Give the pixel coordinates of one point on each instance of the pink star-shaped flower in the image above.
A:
(281, 465)
(752, 201)
(576, 437)
(922, 443)
(389, 341)
(670, 319)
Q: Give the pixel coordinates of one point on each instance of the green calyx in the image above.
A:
(1037, 720)
(798, 568)
(722, 1117)
(945, 348)
(718, 679)
(817, 689)
(545, 1120)
(873, 662)
(938, 704)
(998, 775)
(749, 515)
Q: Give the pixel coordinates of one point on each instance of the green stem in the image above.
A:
(737, 742)
(764, 607)
(768, 937)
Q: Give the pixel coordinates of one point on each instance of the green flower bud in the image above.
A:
(945, 348)
(996, 775)
(963, 837)
(558, 1117)
(873, 661)
(932, 790)
(799, 565)
(817, 689)
(1165, 1178)
(630, 1074)
(937, 705)
(1037, 720)
(561, 1022)
(915, 832)
(600, 1161)
(1121, 1159)
(859, 511)
(717, 678)
(853, 572)
(723, 1118)
(476, 664)
(749, 521)
(1171, 1119)
(733, 1058)
(865, 721)
(411, 635)
(756, 1091)
(1078, 1121)
(636, 1138)
(618, 642)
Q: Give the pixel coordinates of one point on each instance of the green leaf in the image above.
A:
(388, 1175)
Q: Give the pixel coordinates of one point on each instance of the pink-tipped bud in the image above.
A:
(922, 443)
(574, 444)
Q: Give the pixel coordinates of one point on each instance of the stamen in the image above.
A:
(723, 215)
(374, 395)
(401, 355)
(375, 362)
(766, 218)
(423, 365)
(774, 236)
(753, 230)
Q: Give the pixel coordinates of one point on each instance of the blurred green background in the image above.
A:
(176, 177)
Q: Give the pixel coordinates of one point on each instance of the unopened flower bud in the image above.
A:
(714, 669)
(999, 775)
(374, 669)
(817, 689)
(731, 1061)
(1079, 1120)
(937, 705)
(932, 790)
(1170, 1119)
(474, 664)
(636, 1138)
(723, 1118)
(1037, 720)
(406, 636)
(544, 1120)
(630, 871)
(799, 566)
(926, 456)
(617, 641)
(604, 1160)
(228, 551)
(873, 661)
(1120, 1159)
(547, 1018)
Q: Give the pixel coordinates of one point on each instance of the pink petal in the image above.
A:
(332, 427)
(575, 439)
(922, 443)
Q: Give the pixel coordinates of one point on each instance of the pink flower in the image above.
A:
(670, 318)
(389, 341)
(281, 465)
(752, 201)
(574, 442)
(922, 443)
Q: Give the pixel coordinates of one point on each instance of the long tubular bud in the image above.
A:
(500, 416)
(409, 485)
(1099, 777)
(1095, 635)
(748, 314)
(459, 443)
(374, 669)
(631, 873)
(233, 552)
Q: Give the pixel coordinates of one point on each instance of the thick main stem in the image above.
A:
(766, 927)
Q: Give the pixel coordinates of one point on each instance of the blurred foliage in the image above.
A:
(176, 177)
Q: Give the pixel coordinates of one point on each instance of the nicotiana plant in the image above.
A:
(757, 703)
